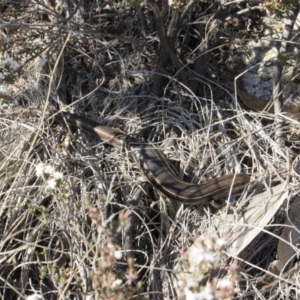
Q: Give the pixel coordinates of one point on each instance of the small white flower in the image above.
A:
(180, 284)
(205, 257)
(225, 284)
(221, 243)
(101, 186)
(192, 283)
(49, 170)
(51, 183)
(39, 169)
(57, 176)
(116, 284)
(209, 257)
(118, 254)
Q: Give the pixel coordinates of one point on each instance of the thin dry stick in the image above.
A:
(3, 206)
(278, 104)
(162, 34)
(277, 95)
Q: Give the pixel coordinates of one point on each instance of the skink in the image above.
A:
(155, 166)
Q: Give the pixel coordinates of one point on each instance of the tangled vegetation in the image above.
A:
(77, 218)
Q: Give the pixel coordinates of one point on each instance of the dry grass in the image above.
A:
(65, 242)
